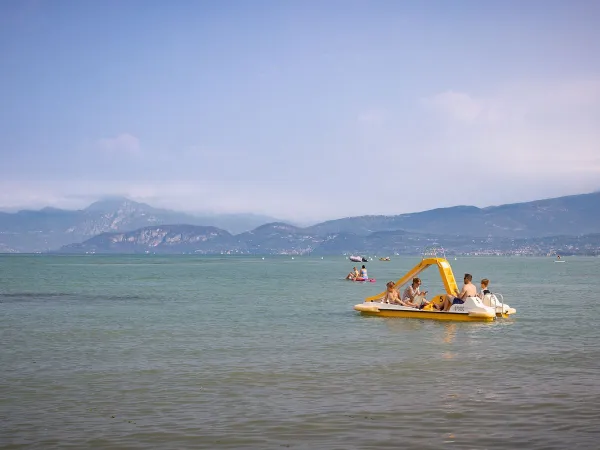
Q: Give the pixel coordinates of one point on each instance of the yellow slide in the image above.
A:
(445, 272)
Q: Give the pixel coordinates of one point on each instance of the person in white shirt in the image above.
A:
(414, 290)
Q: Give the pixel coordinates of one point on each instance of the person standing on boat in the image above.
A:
(468, 290)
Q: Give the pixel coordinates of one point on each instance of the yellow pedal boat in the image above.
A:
(474, 309)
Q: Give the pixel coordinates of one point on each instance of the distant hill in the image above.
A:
(51, 228)
(234, 223)
(159, 239)
(285, 239)
(277, 238)
(572, 215)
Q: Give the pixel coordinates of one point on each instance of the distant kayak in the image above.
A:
(370, 280)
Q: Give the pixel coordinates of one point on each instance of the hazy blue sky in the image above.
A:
(298, 109)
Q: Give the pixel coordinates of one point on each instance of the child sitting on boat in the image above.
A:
(484, 288)
(392, 296)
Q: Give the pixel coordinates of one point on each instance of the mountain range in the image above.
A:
(280, 238)
(569, 215)
(50, 228)
(124, 226)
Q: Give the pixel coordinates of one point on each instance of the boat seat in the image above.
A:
(419, 300)
(438, 300)
(490, 300)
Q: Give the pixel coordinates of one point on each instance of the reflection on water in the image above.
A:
(401, 326)
(449, 332)
(448, 355)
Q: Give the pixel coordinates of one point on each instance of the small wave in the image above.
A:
(15, 297)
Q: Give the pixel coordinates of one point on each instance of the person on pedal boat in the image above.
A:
(413, 291)
(484, 288)
(393, 296)
(468, 290)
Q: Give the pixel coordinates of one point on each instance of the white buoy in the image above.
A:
(263, 258)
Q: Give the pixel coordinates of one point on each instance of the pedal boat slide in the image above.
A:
(474, 309)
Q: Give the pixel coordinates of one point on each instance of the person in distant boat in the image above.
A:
(352, 275)
(468, 290)
(484, 288)
(363, 272)
(413, 291)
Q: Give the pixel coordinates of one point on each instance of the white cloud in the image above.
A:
(457, 105)
(519, 102)
(518, 142)
(540, 130)
(123, 143)
(189, 196)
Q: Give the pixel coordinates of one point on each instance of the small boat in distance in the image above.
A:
(357, 258)
(386, 258)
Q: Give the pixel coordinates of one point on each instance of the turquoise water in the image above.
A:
(212, 352)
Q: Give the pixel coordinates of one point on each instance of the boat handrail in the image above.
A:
(502, 300)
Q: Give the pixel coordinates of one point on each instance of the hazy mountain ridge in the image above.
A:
(50, 229)
(179, 239)
(167, 239)
(570, 215)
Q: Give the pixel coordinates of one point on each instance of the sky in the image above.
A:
(301, 110)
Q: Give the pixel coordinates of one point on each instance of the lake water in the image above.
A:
(240, 352)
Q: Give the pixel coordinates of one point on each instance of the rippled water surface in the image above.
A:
(213, 352)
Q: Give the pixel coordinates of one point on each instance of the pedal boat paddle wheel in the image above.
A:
(474, 309)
